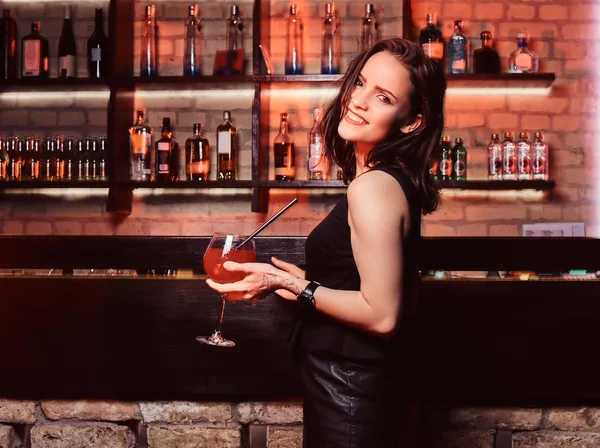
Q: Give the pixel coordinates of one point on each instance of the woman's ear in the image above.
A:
(408, 128)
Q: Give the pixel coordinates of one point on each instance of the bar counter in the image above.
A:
(486, 342)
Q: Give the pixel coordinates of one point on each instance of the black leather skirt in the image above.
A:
(353, 404)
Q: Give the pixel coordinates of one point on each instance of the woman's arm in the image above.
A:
(378, 219)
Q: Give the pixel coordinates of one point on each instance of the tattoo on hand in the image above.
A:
(270, 282)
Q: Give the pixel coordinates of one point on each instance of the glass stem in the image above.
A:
(221, 312)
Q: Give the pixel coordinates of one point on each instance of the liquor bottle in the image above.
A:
(35, 53)
(167, 155)
(431, 40)
(523, 157)
(486, 59)
(140, 139)
(31, 161)
(283, 147)
(368, 35)
(340, 174)
(148, 63)
(87, 158)
(8, 46)
(197, 156)
(446, 160)
(94, 162)
(509, 157)
(13, 150)
(192, 58)
(434, 163)
(495, 158)
(318, 164)
(67, 51)
(3, 158)
(523, 60)
(540, 157)
(235, 27)
(330, 42)
(294, 55)
(97, 49)
(59, 153)
(79, 160)
(460, 159)
(102, 146)
(48, 165)
(227, 149)
(458, 50)
(69, 158)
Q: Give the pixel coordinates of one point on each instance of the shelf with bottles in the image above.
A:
(58, 184)
(496, 185)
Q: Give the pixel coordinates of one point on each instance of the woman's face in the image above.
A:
(380, 97)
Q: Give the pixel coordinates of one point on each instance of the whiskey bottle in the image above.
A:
(318, 164)
(35, 53)
(283, 148)
(431, 40)
(486, 59)
(140, 141)
(197, 156)
(167, 155)
(227, 149)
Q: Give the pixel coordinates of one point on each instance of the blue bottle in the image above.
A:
(293, 54)
(458, 50)
(330, 50)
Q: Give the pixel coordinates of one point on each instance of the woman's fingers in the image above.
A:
(287, 267)
(284, 293)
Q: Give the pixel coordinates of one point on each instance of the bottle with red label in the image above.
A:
(539, 150)
(523, 157)
(431, 40)
(35, 53)
(494, 158)
(509, 157)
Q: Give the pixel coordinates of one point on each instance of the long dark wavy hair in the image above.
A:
(410, 152)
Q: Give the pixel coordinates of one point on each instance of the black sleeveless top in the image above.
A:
(329, 261)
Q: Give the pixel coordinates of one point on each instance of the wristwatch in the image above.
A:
(306, 299)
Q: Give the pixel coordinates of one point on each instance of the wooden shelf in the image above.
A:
(297, 78)
(499, 80)
(177, 82)
(53, 84)
(34, 184)
(187, 185)
(497, 185)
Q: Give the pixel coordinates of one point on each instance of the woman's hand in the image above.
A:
(261, 279)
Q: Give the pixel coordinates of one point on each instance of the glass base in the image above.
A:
(215, 339)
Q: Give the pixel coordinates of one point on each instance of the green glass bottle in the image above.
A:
(446, 162)
(460, 156)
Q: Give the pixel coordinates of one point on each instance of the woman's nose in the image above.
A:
(359, 100)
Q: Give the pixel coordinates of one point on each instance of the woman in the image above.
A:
(359, 288)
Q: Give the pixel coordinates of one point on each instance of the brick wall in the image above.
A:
(57, 424)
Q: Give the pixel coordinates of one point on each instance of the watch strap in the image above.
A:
(306, 298)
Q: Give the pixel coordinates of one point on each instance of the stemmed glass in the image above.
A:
(222, 248)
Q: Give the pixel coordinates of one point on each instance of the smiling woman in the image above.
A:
(358, 292)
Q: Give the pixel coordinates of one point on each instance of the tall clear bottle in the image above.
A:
(8, 46)
(509, 157)
(67, 51)
(197, 156)
(458, 50)
(294, 56)
(235, 27)
(227, 149)
(140, 140)
(148, 61)
(330, 42)
(524, 157)
(495, 158)
(523, 60)
(431, 40)
(368, 35)
(318, 164)
(539, 150)
(192, 58)
(283, 149)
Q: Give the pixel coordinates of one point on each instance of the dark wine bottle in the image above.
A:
(97, 48)
(35, 51)
(8, 46)
(67, 51)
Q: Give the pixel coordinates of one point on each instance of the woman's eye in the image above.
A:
(358, 83)
(385, 99)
